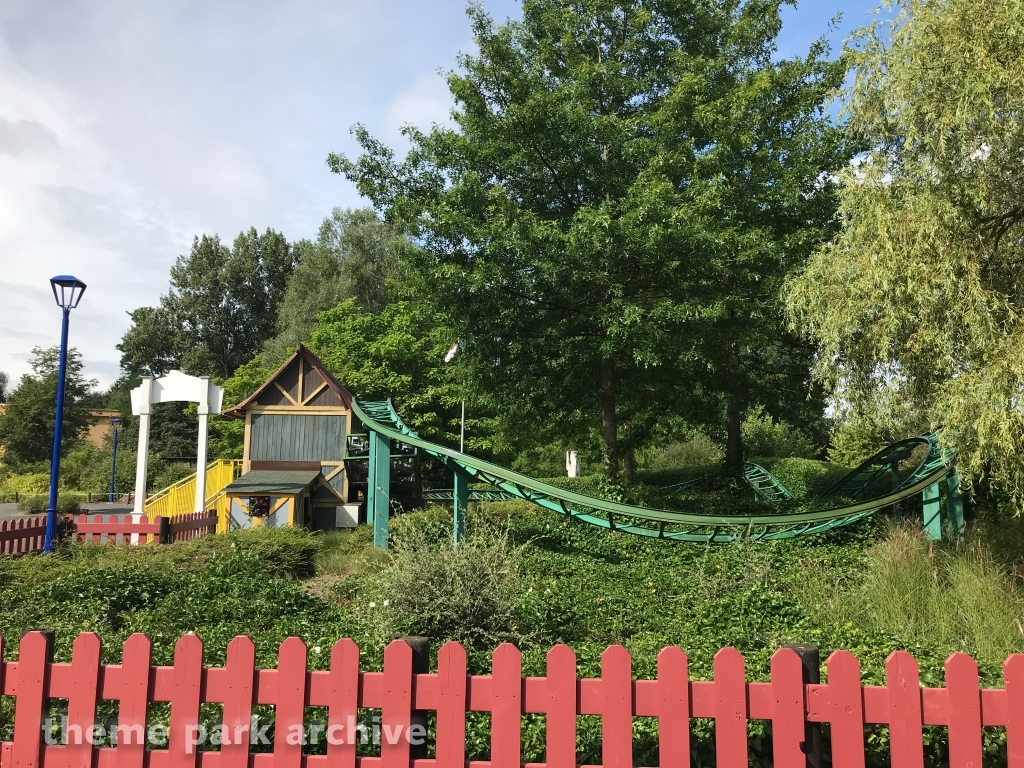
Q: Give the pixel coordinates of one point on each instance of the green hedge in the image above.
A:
(66, 504)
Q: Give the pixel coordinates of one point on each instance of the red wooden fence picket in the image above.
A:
(962, 706)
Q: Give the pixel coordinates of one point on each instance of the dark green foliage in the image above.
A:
(26, 426)
(397, 353)
(355, 256)
(805, 478)
(611, 219)
(221, 307)
(34, 505)
(569, 583)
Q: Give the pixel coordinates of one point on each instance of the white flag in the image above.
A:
(451, 353)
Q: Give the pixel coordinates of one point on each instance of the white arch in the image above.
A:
(174, 387)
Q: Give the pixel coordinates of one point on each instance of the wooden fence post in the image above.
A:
(165, 530)
(420, 666)
(811, 660)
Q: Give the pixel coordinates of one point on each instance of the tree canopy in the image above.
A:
(26, 426)
(355, 256)
(921, 293)
(221, 307)
(610, 220)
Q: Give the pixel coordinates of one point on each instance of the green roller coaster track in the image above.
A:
(912, 467)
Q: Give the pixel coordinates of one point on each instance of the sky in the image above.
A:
(127, 128)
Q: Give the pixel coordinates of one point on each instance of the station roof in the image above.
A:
(261, 482)
(301, 381)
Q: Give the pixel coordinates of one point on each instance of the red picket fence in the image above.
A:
(847, 705)
(22, 535)
(191, 525)
(93, 529)
(27, 534)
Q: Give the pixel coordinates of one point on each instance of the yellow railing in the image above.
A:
(180, 498)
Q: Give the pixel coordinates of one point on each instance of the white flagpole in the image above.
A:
(462, 429)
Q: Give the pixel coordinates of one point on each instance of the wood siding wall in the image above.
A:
(284, 437)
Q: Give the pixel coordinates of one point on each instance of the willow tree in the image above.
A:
(609, 220)
(923, 289)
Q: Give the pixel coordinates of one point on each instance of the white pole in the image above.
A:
(462, 431)
(142, 407)
(204, 424)
(142, 400)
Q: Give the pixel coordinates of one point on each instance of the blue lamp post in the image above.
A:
(114, 423)
(67, 291)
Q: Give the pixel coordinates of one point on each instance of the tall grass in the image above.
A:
(966, 596)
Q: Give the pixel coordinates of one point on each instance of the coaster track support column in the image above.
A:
(378, 488)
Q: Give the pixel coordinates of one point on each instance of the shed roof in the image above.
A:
(272, 483)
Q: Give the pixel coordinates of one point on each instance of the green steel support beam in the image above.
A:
(954, 506)
(460, 504)
(932, 512)
(378, 488)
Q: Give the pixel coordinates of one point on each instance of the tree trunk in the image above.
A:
(734, 439)
(628, 456)
(609, 426)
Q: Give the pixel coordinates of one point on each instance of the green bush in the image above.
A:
(470, 592)
(667, 477)
(763, 436)
(805, 478)
(34, 505)
(697, 450)
(35, 482)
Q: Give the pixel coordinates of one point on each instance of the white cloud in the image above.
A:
(426, 102)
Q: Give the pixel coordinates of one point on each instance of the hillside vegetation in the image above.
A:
(873, 588)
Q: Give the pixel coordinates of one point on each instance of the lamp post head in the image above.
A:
(114, 420)
(67, 290)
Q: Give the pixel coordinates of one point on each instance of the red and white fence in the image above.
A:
(27, 534)
(962, 707)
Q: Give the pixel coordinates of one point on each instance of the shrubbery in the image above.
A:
(806, 478)
(538, 578)
(34, 505)
(471, 592)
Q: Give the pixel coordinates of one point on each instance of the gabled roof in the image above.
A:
(301, 381)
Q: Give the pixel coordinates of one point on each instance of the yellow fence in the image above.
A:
(180, 498)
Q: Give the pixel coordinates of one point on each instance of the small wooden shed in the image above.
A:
(297, 421)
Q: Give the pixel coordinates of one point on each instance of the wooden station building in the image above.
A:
(305, 456)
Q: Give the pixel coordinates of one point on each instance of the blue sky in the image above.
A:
(126, 128)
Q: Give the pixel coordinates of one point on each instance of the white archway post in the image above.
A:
(204, 424)
(174, 387)
(142, 407)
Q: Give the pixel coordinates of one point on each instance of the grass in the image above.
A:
(965, 597)
(539, 579)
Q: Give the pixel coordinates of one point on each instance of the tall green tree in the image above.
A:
(397, 353)
(611, 218)
(922, 290)
(221, 308)
(355, 256)
(4, 383)
(26, 426)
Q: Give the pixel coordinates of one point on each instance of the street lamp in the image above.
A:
(67, 291)
(114, 422)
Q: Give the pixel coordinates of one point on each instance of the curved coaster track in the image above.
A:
(900, 472)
